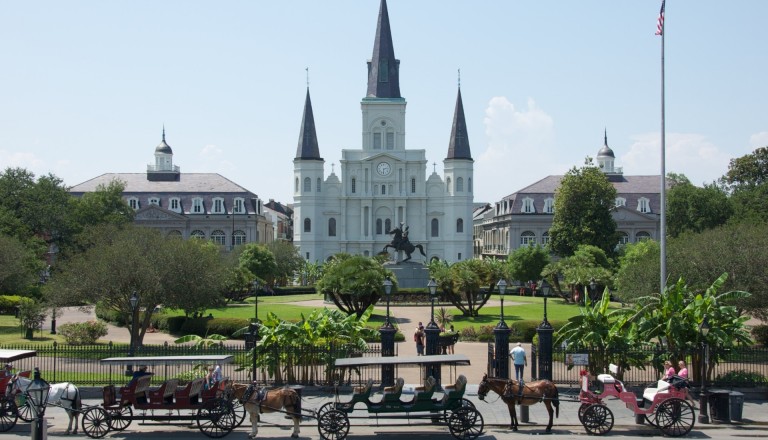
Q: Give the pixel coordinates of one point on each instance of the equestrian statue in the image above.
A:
(400, 242)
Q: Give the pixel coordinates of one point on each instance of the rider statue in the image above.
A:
(400, 242)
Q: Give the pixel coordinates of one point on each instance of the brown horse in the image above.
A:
(277, 400)
(532, 393)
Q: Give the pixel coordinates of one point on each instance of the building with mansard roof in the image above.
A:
(524, 217)
(383, 184)
(189, 205)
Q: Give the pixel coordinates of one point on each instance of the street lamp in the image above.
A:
(592, 288)
(387, 292)
(37, 394)
(703, 332)
(432, 286)
(134, 300)
(433, 334)
(546, 290)
(502, 285)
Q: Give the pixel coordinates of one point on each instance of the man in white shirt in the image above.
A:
(518, 358)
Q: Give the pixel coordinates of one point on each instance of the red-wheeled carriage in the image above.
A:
(13, 405)
(663, 406)
(213, 410)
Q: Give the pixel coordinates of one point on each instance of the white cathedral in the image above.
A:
(383, 184)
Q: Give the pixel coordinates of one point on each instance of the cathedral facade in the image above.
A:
(383, 185)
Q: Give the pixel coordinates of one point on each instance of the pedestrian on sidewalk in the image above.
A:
(519, 359)
(418, 337)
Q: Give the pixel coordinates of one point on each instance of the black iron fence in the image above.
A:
(300, 365)
(742, 367)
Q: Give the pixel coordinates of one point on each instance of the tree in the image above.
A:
(103, 206)
(587, 264)
(462, 283)
(527, 262)
(259, 261)
(583, 205)
(638, 272)
(747, 179)
(354, 283)
(288, 261)
(695, 209)
(19, 266)
(178, 274)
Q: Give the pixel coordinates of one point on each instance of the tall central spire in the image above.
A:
(383, 69)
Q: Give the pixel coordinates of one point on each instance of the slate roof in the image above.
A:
(308, 148)
(458, 146)
(383, 56)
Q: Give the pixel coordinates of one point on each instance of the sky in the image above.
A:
(86, 87)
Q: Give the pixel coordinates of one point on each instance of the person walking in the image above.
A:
(418, 337)
(519, 359)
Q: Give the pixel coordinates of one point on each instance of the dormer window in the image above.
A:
(218, 206)
(154, 201)
(197, 206)
(549, 205)
(644, 205)
(620, 201)
(174, 204)
(528, 206)
(133, 202)
(239, 205)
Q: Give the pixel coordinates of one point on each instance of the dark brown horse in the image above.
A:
(276, 400)
(532, 393)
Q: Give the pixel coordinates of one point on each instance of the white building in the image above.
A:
(383, 183)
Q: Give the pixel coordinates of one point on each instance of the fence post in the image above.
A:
(55, 355)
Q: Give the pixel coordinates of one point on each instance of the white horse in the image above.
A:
(65, 395)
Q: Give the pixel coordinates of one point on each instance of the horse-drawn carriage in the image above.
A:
(664, 406)
(212, 409)
(13, 405)
(429, 402)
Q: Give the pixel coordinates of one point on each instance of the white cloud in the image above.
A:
(758, 140)
(690, 154)
(512, 135)
(22, 160)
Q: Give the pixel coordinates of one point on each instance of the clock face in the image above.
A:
(384, 169)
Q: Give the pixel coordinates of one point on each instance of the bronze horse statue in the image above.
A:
(400, 242)
(257, 402)
(531, 393)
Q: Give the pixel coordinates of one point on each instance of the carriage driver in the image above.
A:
(7, 371)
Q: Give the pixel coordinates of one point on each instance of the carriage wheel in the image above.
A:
(582, 408)
(466, 423)
(121, 418)
(24, 408)
(9, 414)
(216, 418)
(333, 425)
(239, 409)
(674, 417)
(597, 419)
(95, 422)
(325, 408)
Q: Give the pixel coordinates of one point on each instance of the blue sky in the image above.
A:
(86, 86)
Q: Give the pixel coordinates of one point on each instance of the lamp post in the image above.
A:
(501, 335)
(592, 288)
(256, 286)
(134, 300)
(387, 332)
(545, 331)
(433, 333)
(37, 394)
(703, 331)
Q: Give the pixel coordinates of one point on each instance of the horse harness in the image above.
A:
(259, 394)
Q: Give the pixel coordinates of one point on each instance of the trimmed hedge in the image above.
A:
(8, 304)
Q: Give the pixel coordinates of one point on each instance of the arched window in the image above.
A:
(383, 190)
(527, 207)
(378, 226)
(175, 234)
(459, 184)
(435, 228)
(219, 237)
(197, 234)
(331, 227)
(307, 185)
(545, 238)
(387, 226)
(642, 236)
(238, 238)
(296, 188)
(318, 184)
(448, 185)
(644, 205)
(307, 225)
(460, 226)
(527, 238)
(469, 184)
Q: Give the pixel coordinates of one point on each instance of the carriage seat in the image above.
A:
(393, 393)
(217, 390)
(604, 380)
(136, 392)
(662, 386)
(424, 393)
(365, 389)
(164, 394)
(190, 394)
(455, 391)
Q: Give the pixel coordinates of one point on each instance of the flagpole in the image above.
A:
(663, 229)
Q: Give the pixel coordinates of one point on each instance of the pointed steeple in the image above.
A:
(308, 148)
(458, 147)
(163, 147)
(606, 150)
(383, 69)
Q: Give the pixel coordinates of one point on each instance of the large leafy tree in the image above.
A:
(103, 206)
(177, 274)
(583, 206)
(468, 284)
(695, 209)
(527, 262)
(587, 264)
(638, 272)
(19, 266)
(259, 261)
(288, 261)
(353, 282)
(747, 179)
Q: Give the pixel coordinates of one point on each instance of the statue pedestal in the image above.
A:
(409, 274)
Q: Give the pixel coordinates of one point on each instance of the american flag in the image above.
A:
(660, 21)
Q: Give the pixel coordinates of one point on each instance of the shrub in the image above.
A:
(225, 326)
(8, 304)
(760, 333)
(741, 377)
(83, 333)
(109, 315)
(175, 323)
(195, 326)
